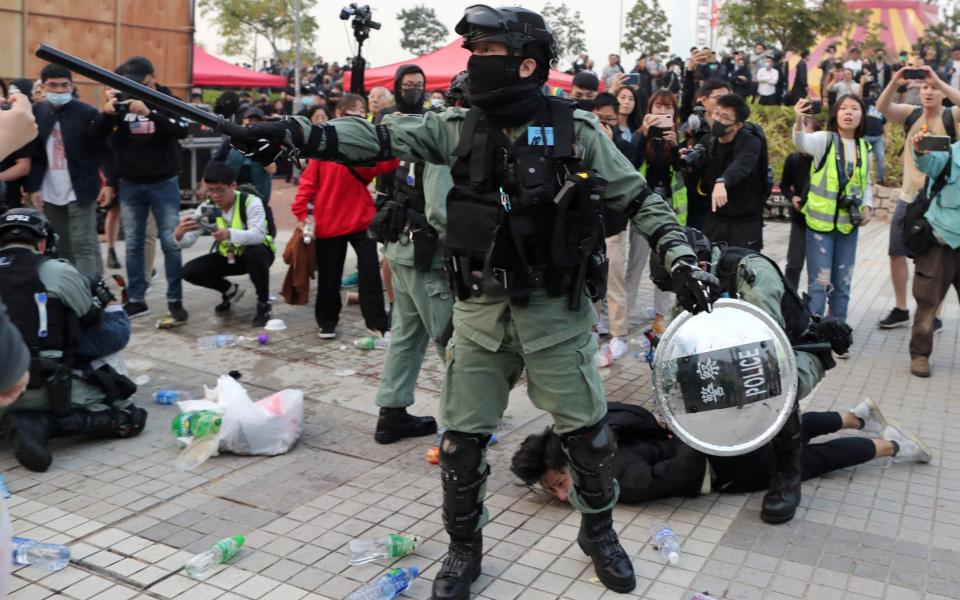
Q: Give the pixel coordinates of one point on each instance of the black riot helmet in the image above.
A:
(525, 32)
(660, 274)
(23, 225)
(459, 90)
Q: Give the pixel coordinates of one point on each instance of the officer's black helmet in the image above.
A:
(26, 225)
(459, 89)
(523, 31)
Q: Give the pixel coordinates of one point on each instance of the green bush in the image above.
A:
(777, 123)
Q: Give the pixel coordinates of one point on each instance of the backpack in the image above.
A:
(764, 170)
(246, 190)
(917, 231)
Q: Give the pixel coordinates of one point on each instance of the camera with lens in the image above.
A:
(122, 105)
(694, 156)
(208, 217)
(362, 20)
(852, 203)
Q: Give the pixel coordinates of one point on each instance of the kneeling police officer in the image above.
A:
(63, 323)
(525, 247)
(752, 277)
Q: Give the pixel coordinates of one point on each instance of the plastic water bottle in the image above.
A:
(643, 346)
(224, 550)
(394, 545)
(308, 226)
(372, 342)
(703, 596)
(51, 557)
(603, 357)
(666, 541)
(387, 587)
(651, 313)
(210, 342)
(196, 423)
(168, 396)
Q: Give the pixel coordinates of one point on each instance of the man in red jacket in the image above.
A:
(337, 198)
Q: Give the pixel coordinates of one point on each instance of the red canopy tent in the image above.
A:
(439, 66)
(208, 70)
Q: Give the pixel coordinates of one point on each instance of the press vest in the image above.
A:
(822, 207)
(239, 221)
(678, 193)
(506, 231)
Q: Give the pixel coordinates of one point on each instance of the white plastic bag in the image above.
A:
(268, 427)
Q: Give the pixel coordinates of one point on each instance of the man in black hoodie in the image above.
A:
(146, 142)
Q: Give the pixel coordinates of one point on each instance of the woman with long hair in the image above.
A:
(630, 113)
(839, 200)
(659, 160)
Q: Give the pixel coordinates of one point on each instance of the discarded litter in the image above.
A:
(51, 557)
(4, 492)
(344, 372)
(202, 426)
(235, 374)
(138, 364)
(263, 339)
(275, 325)
(199, 566)
(389, 586)
(141, 379)
(395, 545)
(665, 540)
(169, 396)
(372, 342)
(223, 340)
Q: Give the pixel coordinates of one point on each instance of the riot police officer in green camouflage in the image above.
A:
(525, 246)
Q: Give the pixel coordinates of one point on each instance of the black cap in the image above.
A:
(586, 81)
(136, 68)
(253, 113)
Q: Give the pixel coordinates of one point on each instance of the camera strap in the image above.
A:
(844, 172)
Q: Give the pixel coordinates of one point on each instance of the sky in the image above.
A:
(335, 38)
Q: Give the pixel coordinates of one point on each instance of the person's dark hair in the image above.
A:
(219, 172)
(606, 99)
(735, 101)
(661, 96)
(52, 71)
(347, 101)
(761, 44)
(711, 85)
(835, 109)
(537, 454)
(804, 53)
(635, 118)
(587, 81)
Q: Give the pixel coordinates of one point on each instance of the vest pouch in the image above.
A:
(388, 223)
(425, 240)
(595, 284)
(532, 173)
(472, 222)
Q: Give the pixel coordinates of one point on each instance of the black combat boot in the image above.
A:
(31, 431)
(782, 499)
(395, 424)
(590, 452)
(461, 455)
(112, 422)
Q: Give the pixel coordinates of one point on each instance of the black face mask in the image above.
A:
(718, 129)
(413, 98)
(585, 104)
(497, 89)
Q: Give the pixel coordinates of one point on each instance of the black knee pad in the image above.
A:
(591, 448)
(460, 458)
(460, 453)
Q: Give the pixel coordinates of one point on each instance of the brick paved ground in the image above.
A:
(132, 520)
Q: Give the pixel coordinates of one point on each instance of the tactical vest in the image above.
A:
(239, 221)
(408, 186)
(822, 208)
(796, 317)
(23, 292)
(515, 222)
(678, 193)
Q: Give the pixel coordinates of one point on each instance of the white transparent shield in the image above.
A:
(725, 381)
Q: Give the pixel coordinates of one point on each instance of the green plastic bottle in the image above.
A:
(198, 423)
(199, 566)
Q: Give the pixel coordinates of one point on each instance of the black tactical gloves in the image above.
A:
(694, 286)
(266, 142)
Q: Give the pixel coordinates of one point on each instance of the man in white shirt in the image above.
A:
(846, 85)
(243, 244)
(612, 69)
(854, 63)
(767, 78)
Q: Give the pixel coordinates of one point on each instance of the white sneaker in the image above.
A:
(618, 347)
(869, 412)
(912, 449)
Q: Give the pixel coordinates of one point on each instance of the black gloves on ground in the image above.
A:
(694, 286)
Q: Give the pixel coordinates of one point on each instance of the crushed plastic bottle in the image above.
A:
(395, 545)
(51, 557)
(665, 540)
(388, 587)
(196, 423)
(308, 225)
(211, 342)
(372, 342)
(199, 566)
(169, 396)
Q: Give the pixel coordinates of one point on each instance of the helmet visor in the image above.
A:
(482, 16)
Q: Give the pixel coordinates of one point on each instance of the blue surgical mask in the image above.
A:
(308, 100)
(59, 98)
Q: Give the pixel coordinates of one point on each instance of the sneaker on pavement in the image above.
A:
(264, 314)
(618, 347)
(351, 280)
(328, 333)
(868, 411)
(897, 318)
(233, 294)
(136, 309)
(920, 366)
(177, 312)
(112, 261)
(912, 448)
(937, 325)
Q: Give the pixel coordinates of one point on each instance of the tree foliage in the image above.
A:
(945, 34)
(789, 24)
(240, 22)
(647, 29)
(420, 30)
(567, 29)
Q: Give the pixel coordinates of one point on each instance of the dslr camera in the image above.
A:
(362, 20)
(208, 217)
(695, 156)
(852, 203)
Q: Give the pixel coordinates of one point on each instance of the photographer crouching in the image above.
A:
(243, 244)
(729, 166)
